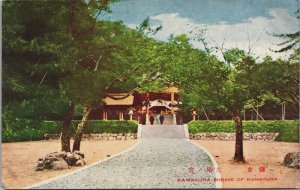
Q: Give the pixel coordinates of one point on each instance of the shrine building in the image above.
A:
(140, 106)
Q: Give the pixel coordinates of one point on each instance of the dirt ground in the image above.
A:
(257, 154)
(19, 159)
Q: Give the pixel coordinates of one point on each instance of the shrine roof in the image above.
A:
(125, 101)
(169, 90)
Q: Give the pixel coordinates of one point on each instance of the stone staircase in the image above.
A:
(168, 120)
(163, 131)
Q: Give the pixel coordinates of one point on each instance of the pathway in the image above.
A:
(152, 163)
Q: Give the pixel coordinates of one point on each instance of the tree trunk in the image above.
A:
(81, 127)
(239, 154)
(65, 135)
(283, 111)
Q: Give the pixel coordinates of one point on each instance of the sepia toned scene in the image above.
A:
(150, 94)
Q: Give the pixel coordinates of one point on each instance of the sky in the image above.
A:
(244, 24)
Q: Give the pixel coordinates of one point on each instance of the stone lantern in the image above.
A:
(194, 113)
(130, 113)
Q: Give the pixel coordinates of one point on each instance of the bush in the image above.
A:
(21, 130)
(112, 127)
(288, 130)
(26, 134)
(32, 130)
(51, 127)
(94, 126)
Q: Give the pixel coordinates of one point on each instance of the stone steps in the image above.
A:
(162, 131)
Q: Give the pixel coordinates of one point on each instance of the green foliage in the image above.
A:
(281, 78)
(291, 41)
(29, 130)
(288, 130)
(26, 134)
(94, 126)
(21, 130)
(110, 126)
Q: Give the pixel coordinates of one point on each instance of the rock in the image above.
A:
(55, 158)
(61, 154)
(40, 163)
(119, 137)
(79, 153)
(46, 136)
(77, 157)
(70, 159)
(48, 164)
(79, 163)
(123, 138)
(292, 160)
(69, 154)
(39, 168)
(60, 165)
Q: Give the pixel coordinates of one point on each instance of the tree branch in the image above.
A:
(97, 63)
(275, 92)
(125, 77)
(137, 87)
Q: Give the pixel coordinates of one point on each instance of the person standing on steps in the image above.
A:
(151, 119)
(157, 119)
(161, 118)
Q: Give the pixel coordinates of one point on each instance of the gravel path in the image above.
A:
(152, 163)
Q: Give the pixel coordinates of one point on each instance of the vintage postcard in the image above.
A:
(150, 94)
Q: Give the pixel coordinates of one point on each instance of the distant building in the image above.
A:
(140, 106)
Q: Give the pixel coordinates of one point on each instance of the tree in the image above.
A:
(129, 50)
(284, 81)
(32, 61)
(40, 56)
(224, 85)
(281, 78)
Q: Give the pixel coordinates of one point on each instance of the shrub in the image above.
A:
(26, 134)
(21, 130)
(112, 126)
(32, 130)
(288, 130)
(94, 126)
